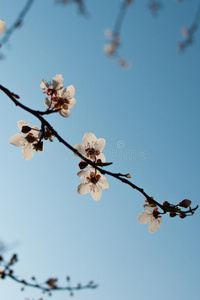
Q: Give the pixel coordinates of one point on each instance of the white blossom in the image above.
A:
(26, 141)
(63, 99)
(2, 27)
(152, 217)
(94, 181)
(109, 49)
(51, 87)
(92, 147)
(185, 32)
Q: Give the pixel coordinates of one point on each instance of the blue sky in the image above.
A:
(149, 116)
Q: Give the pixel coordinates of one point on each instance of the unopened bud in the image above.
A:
(151, 202)
(185, 203)
(165, 203)
(172, 214)
(182, 215)
(16, 96)
(25, 129)
(82, 165)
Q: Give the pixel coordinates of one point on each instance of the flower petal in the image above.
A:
(64, 113)
(48, 102)
(44, 85)
(28, 151)
(83, 174)
(147, 206)
(36, 132)
(89, 139)
(145, 217)
(72, 103)
(57, 82)
(95, 192)
(17, 140)
(103, 183)
(2, 27)
(81, 148)
(83, 188)
(70, 90)
(100, 144)
(155, 224)
(101, 156)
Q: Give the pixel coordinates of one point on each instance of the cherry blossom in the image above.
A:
(63, 100)
(185, 32)
(109, 49)
(28, 139)
(94, 181)
(92, 147)
(2, 27)
(152, 217)
(51, 88)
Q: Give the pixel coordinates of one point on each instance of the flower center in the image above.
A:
(156, 213)
(93, 179)
(61, 102)
(92, 153)
(30, 138)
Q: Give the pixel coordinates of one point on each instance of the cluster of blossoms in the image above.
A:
(60, 99)
(94, 181)
(28, 139)
(111, 48)
(2, 28)
(188, 34)
(153, 218)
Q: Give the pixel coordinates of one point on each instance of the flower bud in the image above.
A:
(185, 203)
(172, 214)
(25, 129)
(151, 202)
(82, 165)
(165, 203)
(182, 215)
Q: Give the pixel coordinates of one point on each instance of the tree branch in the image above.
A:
(166, 207)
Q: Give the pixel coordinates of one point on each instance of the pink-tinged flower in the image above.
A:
(185, 32)
(109, 49)
(51, 88)
(94, 181)
(152, 217)
(92, 147)
(108, 33)
(62, 99)
(123, 63)
(2, 27)
(27, 139)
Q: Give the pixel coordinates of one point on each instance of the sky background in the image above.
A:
(149, 116)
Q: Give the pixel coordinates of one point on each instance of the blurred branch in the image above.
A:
(189, 33)
(80, 3)
(154, 7)
(111, 49)
(47, 287)
(17, 23)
